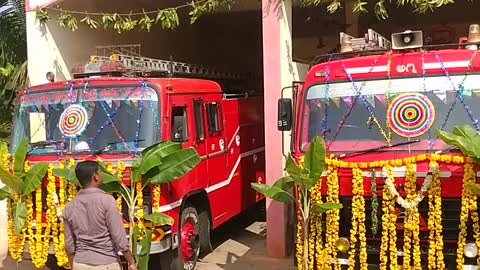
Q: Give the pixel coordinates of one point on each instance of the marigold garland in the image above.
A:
(469, 176)
(373, 190)
(299, 246)
(58, 236)
(333, 218)
(50, 215)
(358, 222)
(435, 249)
(388, 247)
(156, 198)
(36, 243)
(315, 242)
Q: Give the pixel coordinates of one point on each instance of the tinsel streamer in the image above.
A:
(140, 111)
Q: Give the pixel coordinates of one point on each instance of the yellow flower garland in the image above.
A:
(72, 188)
(435, 249)
(51, 212)
(358, 221)
(315, 236)
(299, 253)
(156, 198)
(411, 226)
(36, 244)
(139, 206)
(58, 227)
(469, 176)
(333, 218)
(388, 247)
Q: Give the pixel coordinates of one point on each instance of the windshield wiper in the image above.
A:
(111, 146)
(376, 149)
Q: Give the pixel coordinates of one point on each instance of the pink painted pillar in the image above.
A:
(276, 14)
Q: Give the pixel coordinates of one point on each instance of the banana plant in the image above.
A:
(467, 139)
(303, 178)
(161, 163)
(19, 184)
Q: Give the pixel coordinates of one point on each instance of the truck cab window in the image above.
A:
(198, 117)
(214, 118)
(179, 124)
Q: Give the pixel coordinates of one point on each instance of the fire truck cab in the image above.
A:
(121, 104)
(381, 100)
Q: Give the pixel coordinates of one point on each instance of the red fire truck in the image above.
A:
(125, 103)
(347, 93)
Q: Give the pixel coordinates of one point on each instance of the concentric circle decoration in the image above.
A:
(410, 115)
(73, 121)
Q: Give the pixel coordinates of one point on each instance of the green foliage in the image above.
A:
(67, 20)
(20, 182)
(13, 57)
(273, 192)
(303, 178)
(325, 207)
(160, 218)
(379, 9)
(167, 18)
(19, 210)
(143, 253)
(466, 138)
(34, 178)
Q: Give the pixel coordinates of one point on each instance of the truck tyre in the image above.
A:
(204, 231)
(189, 239)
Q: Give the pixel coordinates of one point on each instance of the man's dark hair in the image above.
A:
(85, 170)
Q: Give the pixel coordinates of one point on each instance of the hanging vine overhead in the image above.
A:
(167, 18)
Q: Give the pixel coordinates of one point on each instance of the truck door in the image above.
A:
(199, 125)
(217, 158)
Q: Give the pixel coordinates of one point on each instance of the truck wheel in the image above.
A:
(204, 231)
(189, 242)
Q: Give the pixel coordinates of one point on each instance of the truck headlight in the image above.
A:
(470, 250)
(343, 245)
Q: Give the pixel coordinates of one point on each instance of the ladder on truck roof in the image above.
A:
(126, 61)
(130, 65)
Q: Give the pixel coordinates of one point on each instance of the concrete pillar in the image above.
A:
(279, 71)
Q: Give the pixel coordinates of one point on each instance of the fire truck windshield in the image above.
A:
(353, 116)
(87, 120)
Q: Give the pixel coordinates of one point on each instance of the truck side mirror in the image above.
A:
(284, 122)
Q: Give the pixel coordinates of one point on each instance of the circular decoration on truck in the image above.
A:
(410, 115)
(73, 121)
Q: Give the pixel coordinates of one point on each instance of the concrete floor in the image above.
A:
(238, 245)
(244, 249)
